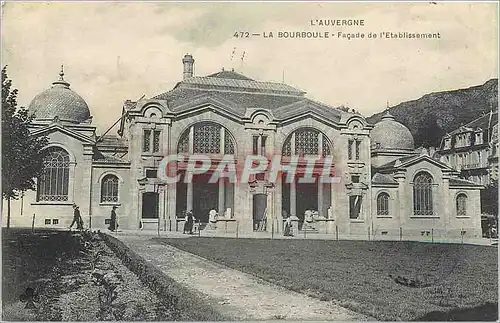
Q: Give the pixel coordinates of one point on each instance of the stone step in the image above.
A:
(309, 230)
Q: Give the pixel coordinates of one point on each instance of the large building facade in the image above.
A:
(472, 149)
(385, 187)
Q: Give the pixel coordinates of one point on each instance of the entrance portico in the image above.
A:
(152, 203)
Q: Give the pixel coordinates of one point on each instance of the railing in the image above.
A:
(469, 166)
(331, 231)
(475, 165)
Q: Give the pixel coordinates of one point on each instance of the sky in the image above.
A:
(117, 51)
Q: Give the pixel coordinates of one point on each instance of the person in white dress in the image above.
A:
(212, 218)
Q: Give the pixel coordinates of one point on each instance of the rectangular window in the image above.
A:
(349, 149)
(358, 148)
(151, 173)
(47, 221)
(263, 145)
(156, 141)
(255, 145)
(55, 221)
(355, 178)
(146, 141)
(354, 206)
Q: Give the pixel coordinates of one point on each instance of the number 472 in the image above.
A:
(242, 34)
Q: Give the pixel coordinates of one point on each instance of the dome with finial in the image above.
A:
(61, 102)
(390, 134)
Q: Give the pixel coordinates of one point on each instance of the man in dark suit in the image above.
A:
(76, 218)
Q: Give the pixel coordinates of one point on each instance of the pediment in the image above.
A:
(422, 158)
(56, 127)
(210, 102)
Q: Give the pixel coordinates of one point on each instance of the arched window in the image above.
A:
(52, 185)
(207, 139)
(422, 194)
(306, 141)
(461, 204)
(383, 204)
(109, 189)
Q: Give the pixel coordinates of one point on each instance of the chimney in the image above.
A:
(188, 63)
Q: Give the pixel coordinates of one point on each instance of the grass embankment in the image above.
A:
(188, 305)
(77, 277)
(385, 280)
(74, 276)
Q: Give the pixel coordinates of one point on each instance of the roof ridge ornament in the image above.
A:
(61, 73)
(61, 80)
(388, 115)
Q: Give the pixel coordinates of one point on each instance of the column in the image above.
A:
(221, 143)
(320, 144)
(446, 208)
(191, 140)
(189, 196)
(162, 217)
(270, 225)
(293, 197)
(222, 208)
(331, 205)
(320, 198)
(405, 207)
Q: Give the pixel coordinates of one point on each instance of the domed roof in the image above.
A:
(390, 134)
(60, 101)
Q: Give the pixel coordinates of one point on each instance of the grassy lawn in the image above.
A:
(385, 280)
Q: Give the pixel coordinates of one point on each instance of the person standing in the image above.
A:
(77, 219)
(212, 218)
(187, 222)
(112, 223)
(288, 227)
(188, 227)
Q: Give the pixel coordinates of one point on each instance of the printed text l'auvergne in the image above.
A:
(337, 22)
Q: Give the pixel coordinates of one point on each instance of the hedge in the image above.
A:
(178, 302)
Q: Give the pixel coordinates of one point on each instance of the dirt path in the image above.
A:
(240, 295)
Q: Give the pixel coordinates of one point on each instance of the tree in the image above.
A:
(489, 199)
(22, 154)
(429, 132)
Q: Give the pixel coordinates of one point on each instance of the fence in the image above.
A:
(275, 230)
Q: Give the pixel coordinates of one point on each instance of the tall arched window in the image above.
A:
(422, 194)
(306, 141)
(109, 189)
(207, 138)
(461, 204)
(383, 204)
(52, 185)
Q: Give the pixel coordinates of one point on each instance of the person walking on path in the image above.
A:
(113, 226)
(76, 218)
